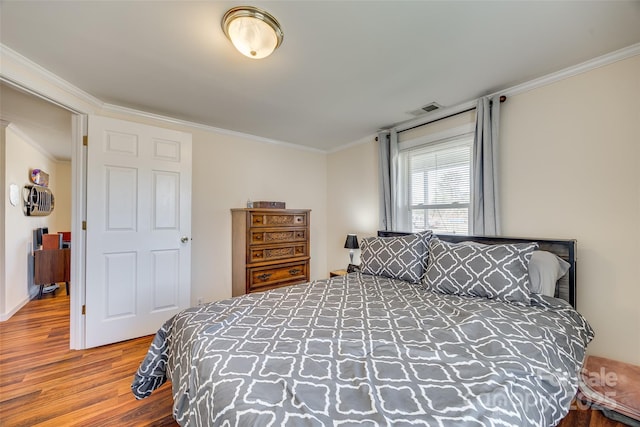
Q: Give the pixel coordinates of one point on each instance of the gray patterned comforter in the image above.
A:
(368, 351)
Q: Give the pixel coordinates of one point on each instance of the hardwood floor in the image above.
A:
(43, 383)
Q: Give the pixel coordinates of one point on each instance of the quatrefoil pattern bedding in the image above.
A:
(488, 271)
(403, 258)
(363, 350)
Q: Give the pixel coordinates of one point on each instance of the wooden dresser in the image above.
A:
(270, 248)
(51, 266)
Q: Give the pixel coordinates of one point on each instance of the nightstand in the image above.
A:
(335, 273)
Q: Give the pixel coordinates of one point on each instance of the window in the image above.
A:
(434, 182)
(439, 189)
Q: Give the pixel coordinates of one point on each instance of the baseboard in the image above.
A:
(14, 310)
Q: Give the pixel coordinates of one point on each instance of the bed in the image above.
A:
(430, 331)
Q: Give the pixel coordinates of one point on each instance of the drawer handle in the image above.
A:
(298, 219)
(258, 237)
(264, 276)
(294, 271)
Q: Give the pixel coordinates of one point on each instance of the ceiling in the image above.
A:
(345, 68)
(47, 126)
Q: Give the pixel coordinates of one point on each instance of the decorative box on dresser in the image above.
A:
(270, 248)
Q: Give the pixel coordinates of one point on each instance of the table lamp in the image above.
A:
(351, 243)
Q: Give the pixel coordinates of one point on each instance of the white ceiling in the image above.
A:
(344, 70)
(47, 126)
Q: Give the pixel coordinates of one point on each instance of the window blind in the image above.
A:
(439, 185)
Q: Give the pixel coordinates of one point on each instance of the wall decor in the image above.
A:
(38, 201)
(40, 177)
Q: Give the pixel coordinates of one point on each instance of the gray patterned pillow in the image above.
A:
(403, 257)
(492, 271)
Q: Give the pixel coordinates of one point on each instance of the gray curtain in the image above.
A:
(388, 161)
(485, 206)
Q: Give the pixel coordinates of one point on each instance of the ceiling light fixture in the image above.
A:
(254, 32)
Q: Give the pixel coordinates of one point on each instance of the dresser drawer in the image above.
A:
(262, 278)
(269, 253)
(275, 219)
(271, 236)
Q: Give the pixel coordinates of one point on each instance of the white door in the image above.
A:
(138, 268)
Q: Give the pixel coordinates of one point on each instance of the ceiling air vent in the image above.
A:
(433, 106)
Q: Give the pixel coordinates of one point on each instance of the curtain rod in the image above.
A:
(502, 99)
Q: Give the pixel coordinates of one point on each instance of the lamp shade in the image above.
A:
(351, 242)
(254, 32)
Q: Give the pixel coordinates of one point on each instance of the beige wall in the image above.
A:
(569, 168)
(4, 190)
(352, 199)
(61, 216)
(228, 170)
(21, 157)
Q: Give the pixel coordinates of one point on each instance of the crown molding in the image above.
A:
(574, 70)
(97, 104)
(42, 73)
(365, 140)
(179, 122)
(26, 138)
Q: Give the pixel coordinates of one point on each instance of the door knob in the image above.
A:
(184, 239)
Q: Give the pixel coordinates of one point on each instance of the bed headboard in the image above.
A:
(564, 248)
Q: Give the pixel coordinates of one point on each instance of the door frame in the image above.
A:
(78, 216)
(79, 120)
